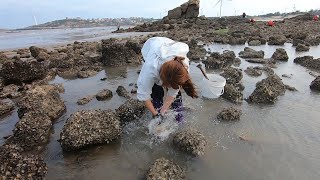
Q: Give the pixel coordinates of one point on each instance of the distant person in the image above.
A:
(118, 26)
(252, 20)
(270, 23)
(316, 18)
(244, 15)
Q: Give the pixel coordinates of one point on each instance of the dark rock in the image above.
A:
(261, 61)
(287, 75)
(280, 54)
(290, 88)
(131, 110)
(218, 61)
(42, 56)
(35, 51)
(32, 130)
(253, 72)
(22, 71)
(89, 127)
(232, 75)
(15, 165)
(300, 35)
(302, 47)
(251, 53)
(121, 91)
(229, 114)
(190, 141)
(165, 169)
(134, 91)
(85, 100)
(315, 85)
(277, 40)
(308, 61)
(104, 95)
(267, 90)
(268, 70)
(189, 9)
(236, 41)
(116, 52)
(295, 42)
(44, 99)
(232, 93)
(254, 43)
(5, 107)
(103, 79)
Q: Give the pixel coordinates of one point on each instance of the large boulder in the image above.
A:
(90, 127)
(15, 165)
(280, 54)
(232, 93)
(23, 71)
(5, 107)
(308, 61)
(251, 53)
(44, 99)
(131, 110)
(190, 141)
(232, 75)
(165, 169)
(315, 85)
(267, 90)
(229, 114)
(32, 131)
(118, 52)
(35, 51)
(189, 9)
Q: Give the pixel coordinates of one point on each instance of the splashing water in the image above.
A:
(162, 128)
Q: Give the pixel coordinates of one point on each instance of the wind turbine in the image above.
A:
(220, 1)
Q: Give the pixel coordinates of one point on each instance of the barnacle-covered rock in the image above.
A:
(131, 110)
(14, 165)
(121, 91)
(85, 100)
(190, 141)
(232, 75)
(45, 99)
(89, 127)
(267, 90)
(315, 85)
(104, 95)
(229, 114)
(165, 169)
(31, 131)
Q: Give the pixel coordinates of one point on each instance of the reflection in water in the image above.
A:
(282, 139)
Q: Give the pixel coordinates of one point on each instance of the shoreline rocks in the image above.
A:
(165, 169)
(232, 94)
(121, 91)
(251, 53)
(131, 110)
(190, 141)
(267, 90)
(104, 95)
(15, 165)
(253, 72)
(229, 114)
(90, 127)
(280, 54)
(315, 84)
(5, 107)
(308, 61)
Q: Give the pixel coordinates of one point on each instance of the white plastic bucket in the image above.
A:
(214, 87)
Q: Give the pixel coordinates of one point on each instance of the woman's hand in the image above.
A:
(151, 108)
(167, 103)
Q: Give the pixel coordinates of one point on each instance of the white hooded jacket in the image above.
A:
(155, 52)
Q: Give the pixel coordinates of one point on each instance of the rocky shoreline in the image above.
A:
(25, 76)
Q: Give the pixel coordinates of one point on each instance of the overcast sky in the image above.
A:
(19, 13)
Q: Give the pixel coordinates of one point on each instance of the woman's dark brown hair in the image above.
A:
(174, 74)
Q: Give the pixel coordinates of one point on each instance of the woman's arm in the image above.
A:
(167, 103)
(150, 106)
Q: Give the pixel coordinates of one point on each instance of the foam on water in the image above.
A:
(161, 128)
